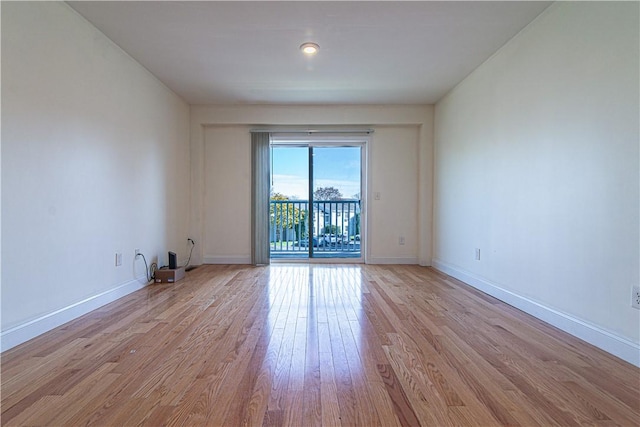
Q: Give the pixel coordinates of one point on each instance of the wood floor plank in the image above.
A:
(313, 345)
(402, 407)
(259, 399)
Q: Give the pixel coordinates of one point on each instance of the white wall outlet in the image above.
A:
(118, 259)
(136, 251)
(635, 297)
(477, 254)
(376, 195)
(401, 240)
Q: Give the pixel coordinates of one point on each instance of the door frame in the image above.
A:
(335, 140)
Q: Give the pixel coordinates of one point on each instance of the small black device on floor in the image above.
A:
(173, 260)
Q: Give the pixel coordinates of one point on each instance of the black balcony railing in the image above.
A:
(327, 228)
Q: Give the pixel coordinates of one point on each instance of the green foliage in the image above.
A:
(357, 224)
(327, 193)
(286, 215)
(330, 229)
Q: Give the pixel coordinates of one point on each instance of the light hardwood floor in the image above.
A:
(305, 345)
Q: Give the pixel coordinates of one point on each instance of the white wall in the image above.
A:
(537, 164)
(400, 168)
(227, 201)
(95, 160)
(394, 175)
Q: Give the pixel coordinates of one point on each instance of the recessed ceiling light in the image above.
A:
(309, 48)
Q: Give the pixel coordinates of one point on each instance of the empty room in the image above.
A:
(320, 213)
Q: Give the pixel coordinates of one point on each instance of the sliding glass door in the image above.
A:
(316, 206)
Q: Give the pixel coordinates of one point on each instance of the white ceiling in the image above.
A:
(215, 52)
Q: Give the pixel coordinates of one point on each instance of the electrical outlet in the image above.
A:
(635, 297)
(477, 254)
(401, 240)
(118, 259)
(137, 252)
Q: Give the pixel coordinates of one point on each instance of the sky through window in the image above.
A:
(337, 167)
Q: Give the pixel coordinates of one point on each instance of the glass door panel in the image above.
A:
(336, 176)
(289, 205)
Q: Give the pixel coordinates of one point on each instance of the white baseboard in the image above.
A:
(26, 331)
(209, 259)
(381, 260)
(601, 338)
